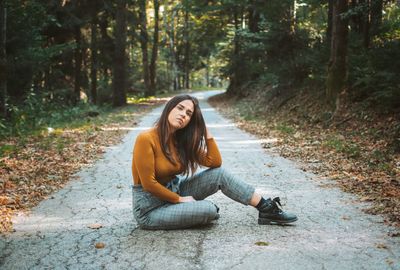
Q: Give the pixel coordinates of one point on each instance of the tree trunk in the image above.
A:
(292, 17)
(78, 64)
(253, 55)
(93, 67)
(178, 56)
(234, 78)
(154, 51)
(208, 84)
(376, 15)
(187, 49)
(329, 28)
(47, 81)
(171, 35)
(356, 20)
(366, 24)
(254, 18)
(106, 49)
(144, 38)
(119, 71)
(3, 60)
(337, 67)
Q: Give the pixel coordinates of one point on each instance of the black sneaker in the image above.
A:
(270, 212)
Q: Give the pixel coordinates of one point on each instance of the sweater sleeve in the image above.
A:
(143, 157)
(211, 158)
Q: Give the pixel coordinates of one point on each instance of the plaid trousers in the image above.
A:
(153, 213)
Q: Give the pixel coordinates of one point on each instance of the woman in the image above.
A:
(178, 144)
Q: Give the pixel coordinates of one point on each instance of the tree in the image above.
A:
(119, 71)
(170, 31)
(154, 50)
(376, 15)
(329, 24)
(235, 76)
(187, 47)
(78, 63)
(144, 39)
(337, 67)
(93, 67)
(3, 59)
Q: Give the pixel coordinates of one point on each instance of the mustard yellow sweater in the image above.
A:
(152, 169)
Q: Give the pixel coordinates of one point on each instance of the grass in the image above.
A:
(350, 149)
(7, 149)
(286, 129)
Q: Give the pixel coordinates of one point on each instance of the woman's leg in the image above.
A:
(152, 213)
(180, 216)
(210, 181)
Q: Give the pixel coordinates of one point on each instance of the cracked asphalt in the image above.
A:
(332, 232)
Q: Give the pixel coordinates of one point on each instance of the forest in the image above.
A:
(65, 59)
(60, 54)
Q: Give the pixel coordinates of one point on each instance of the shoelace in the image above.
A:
(277, 202)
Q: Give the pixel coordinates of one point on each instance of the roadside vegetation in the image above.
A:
(360, 150)
(36, 162)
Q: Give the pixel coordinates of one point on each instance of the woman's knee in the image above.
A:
(208, 210)
(218, 173)
(218, 170)
(198, 213)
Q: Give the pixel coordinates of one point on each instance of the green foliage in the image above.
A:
(7, 149)
(136, 99)
(269, 79)
(294, 52)
(37, 115)
(104, 92)
(286, 129)
(26, 56)
(350, 149)
(335, 144)
(373, 75)
(280, 43)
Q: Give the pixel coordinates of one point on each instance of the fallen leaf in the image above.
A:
(261, 243)
(95, 226)
(100, 245)
(4, 200)
(389, 261)
(381, 246)
(394, 234)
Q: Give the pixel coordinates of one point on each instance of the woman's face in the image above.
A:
(181, 114)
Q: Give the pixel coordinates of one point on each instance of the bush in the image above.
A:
(37, 113)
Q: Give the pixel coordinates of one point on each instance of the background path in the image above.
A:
(332, 232)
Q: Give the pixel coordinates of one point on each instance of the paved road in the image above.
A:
(332, 232)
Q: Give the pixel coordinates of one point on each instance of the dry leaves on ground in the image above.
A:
(354, 153)
(43, 164)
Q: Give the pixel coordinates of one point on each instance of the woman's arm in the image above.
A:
(211, 158)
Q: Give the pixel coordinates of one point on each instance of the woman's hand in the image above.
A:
(186, 199)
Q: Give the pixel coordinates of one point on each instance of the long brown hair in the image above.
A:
(189, 141)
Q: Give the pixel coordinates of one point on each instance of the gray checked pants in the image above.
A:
(155, 214)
